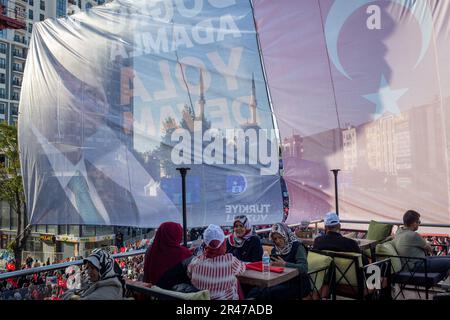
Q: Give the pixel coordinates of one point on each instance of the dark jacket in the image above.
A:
(251, 250)
(334, 241)
(176, 275)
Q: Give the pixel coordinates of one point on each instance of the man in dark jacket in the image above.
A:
(333, 239)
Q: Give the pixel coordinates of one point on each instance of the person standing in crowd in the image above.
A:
(288, 252)
(104, 279)
(215, 270)
(119, 240)
(409, 243)
(29, 261)
(166, 255)
(243, 243)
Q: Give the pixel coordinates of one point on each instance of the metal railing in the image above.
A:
(397, 223)
(58, 266)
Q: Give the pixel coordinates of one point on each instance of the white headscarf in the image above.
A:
(288, 236)
(236, 241)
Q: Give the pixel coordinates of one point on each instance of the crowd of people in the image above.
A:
(212, 264)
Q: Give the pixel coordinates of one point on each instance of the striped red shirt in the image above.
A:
(218, 275)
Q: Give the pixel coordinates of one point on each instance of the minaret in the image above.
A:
(201, 100)
(252, 104)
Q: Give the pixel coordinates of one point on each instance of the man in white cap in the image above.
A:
(333, 239)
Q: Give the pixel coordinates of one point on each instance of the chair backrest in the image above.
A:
(348, 267)
(388, 249)
(200, 295)
(378, 231)
(316, 262)
(163, 294)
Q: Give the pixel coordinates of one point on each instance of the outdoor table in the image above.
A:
(258, 279)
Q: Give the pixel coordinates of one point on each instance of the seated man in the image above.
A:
(409, 243)
(333, 239)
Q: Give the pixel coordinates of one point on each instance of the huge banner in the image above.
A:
(362, 86)
(116, 99)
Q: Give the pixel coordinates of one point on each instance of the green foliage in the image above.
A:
(11, 187)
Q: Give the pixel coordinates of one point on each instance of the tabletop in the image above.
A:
(257, 278)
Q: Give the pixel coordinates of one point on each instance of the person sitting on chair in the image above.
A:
(409, 243)
(288, 252)
(166, 260)
(215, 270)
(333, 240)
(243, 244)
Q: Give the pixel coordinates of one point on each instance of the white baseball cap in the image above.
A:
(331, 219)
(213, 232)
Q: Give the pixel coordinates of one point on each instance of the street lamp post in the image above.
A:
(335, 172)
(183, 172)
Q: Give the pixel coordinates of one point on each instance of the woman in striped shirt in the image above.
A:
(215, 270)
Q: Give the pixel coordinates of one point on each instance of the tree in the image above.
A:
(11, 187)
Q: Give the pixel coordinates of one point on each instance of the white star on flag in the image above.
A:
(385, 99)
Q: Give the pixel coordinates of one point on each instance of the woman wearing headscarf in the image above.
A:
(166, 261)
(243, 243)
(215, 270)
(104, 280)
(288, 252)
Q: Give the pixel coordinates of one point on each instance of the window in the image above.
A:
(5, 214)
(2, 78)
(41, 17)
(42, 5)
(61, 8)
(30, 27)
(2, 109)
(2, 63)
(31, 2)
(2, 47)
(87, 231)
(2, 93)
(88, 6)
(30, 14)
(17, 67)
(15, 110)
(74, 230)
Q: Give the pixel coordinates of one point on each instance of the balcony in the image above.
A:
(12, 18)
(21, 40)
(17, 83)
(17, 69)
(15, 96)
(18, 54)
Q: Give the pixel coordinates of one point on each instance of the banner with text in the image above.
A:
(116, 99)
